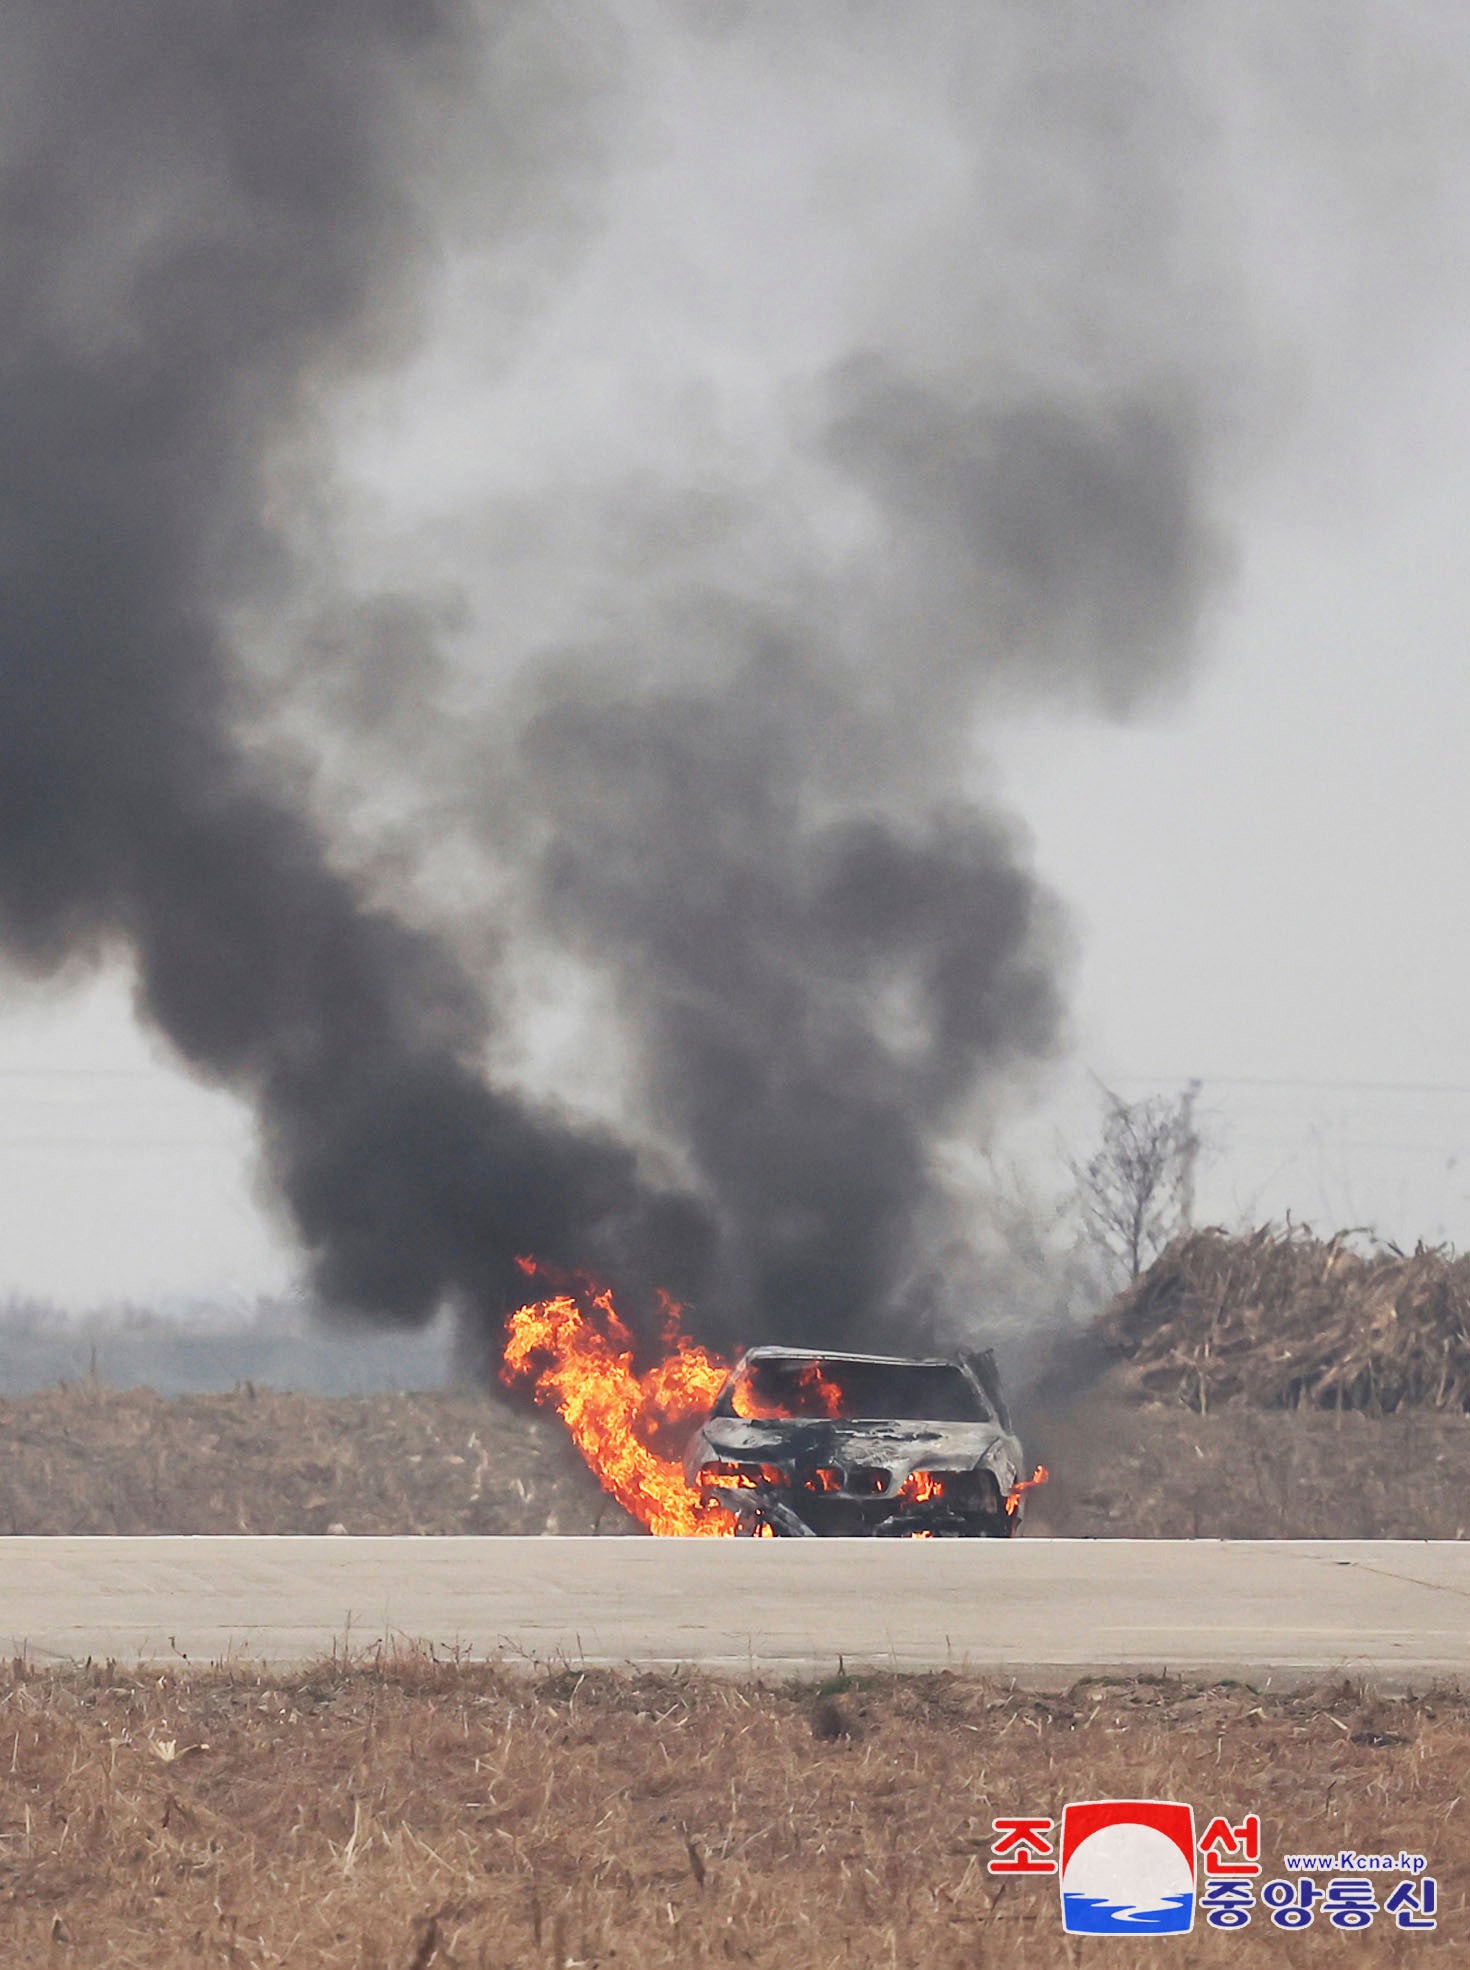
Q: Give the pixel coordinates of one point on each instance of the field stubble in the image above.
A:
(86, 1458)
(416, 1813)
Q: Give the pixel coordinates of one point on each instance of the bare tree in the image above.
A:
(1137, 1189)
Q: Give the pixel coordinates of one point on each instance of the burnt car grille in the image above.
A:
(827, 1480)
(964, 1491)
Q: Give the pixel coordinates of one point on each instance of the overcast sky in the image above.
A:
(1264, 861)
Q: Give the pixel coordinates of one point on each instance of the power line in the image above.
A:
(128, 1142)
(97, 1074)
(1291, 1081)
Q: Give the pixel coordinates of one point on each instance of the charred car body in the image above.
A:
(810, 1445)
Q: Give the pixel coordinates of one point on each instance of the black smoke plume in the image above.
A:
(727, 759)
(207, 215)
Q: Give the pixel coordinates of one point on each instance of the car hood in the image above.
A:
(900, 1447)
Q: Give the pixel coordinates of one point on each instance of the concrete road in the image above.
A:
(1042, 1610)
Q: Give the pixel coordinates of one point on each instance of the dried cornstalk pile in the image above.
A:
(1286, 1320)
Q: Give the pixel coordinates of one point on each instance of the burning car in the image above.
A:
(817, 1445)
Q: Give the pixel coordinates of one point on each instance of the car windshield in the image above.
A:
(812, 1386)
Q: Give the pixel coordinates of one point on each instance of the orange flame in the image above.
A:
(816, 1395)
(744, 1477)
(579, 1356)
(1013, 1496)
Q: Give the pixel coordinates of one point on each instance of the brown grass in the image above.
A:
(96, 1460)
(420, 1813)
(90, 1459)
(1158, 1471)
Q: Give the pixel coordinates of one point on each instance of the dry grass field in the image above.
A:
(85, 1458)
(88, 1459)
(416, 1814)
(1121, 1469)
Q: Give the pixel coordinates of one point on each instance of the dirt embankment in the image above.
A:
(95, 1460)
(1122, 1470)
(89, 1459)
(425, 1816)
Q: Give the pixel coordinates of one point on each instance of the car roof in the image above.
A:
(832, 1354)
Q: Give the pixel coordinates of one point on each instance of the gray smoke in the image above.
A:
(726, 757)
(825, 949)
(747, 794)
(207, 213)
